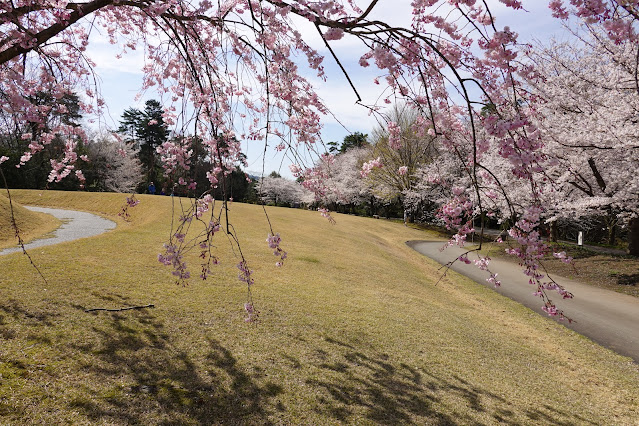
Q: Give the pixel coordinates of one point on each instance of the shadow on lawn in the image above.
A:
(163, 385)
(628, 279)
(131, 371)
(388, 392)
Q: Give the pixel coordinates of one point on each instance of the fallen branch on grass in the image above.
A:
(119, 309)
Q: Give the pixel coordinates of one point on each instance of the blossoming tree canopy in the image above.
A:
(235, 62)
(588, 118)
(231, 71)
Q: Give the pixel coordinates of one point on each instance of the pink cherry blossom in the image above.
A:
(234, 74)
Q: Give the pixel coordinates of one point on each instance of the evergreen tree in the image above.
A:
(354, 140)
(146, 130)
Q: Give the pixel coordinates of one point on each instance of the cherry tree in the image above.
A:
(341, 180)
(112, 166)
(279, 190)
(52, 112)
(503, 195)
(406, 143)
(589, 118)
(236, 66)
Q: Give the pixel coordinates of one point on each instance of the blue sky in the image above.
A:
(121, 78)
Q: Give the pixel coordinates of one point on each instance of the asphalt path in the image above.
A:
(75, 225)
(607, 317)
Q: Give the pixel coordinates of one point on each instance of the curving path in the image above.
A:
(609, 318)
(75, 225)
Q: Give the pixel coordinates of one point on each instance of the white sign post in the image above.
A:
(580, 239)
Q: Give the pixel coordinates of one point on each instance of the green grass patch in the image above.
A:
(352, 330)
(309, 259)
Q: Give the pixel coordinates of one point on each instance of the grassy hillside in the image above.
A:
(31, 224)
(353, 329)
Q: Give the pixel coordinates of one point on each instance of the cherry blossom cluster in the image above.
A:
(173, 257)
(274, 244)
(128, 204)
(492, 279)
(252, 314)
(618, 18)
(205, 245)
(394, 135)
(181, 243)
(175, 156)
(342, 182)
(245, 274)
(319, 181)
(530, 251)
(562, 256)
(368, 166)
(327, 214)
(457, 215)
(315, 178)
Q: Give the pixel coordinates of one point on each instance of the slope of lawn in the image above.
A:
(353, 329)
(31, 224)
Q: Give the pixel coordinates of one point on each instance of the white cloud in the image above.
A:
(105, 55)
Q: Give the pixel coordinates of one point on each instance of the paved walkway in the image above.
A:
(608, 318)
(75, 225)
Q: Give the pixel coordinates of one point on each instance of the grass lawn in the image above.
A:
(352, 330)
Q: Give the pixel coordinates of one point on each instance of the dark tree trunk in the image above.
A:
(611, 224)
(612, 234)
(633, 237)
(554, 232)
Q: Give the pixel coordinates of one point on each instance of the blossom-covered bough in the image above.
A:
(231, 71)
(589, 118)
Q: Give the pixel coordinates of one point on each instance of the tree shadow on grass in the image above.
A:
(22, 328)
(362, 382)
(27, 323)
(27, 314)
(129, 370)
(162, 384)
(628, 279)
(121, 368)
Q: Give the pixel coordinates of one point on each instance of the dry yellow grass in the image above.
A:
(352, 330)
(32, 225)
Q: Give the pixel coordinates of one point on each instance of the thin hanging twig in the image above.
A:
(14, 225)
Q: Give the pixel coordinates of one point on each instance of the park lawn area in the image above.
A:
(31, 224)
(352, 329)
